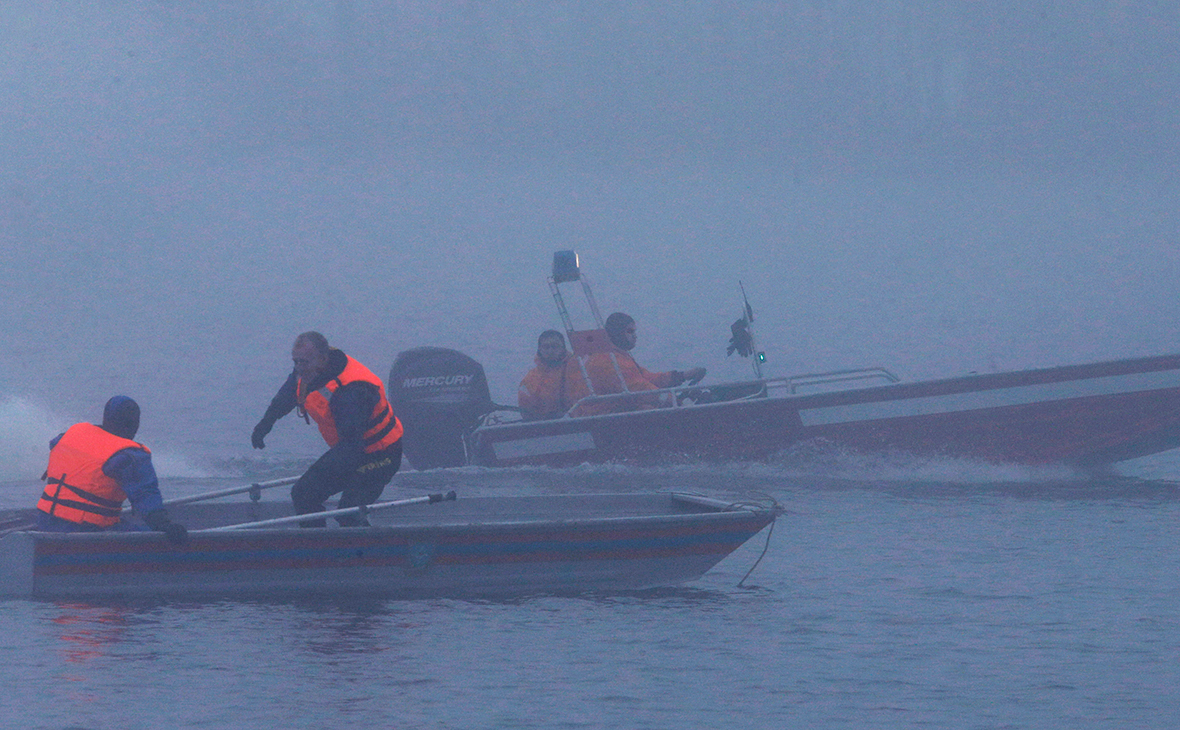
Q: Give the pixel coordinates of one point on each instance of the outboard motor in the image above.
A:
(439, 395)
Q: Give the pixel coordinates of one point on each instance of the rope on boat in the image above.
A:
(759, 560)
(778, 510)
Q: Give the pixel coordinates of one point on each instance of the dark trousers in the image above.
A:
(356, 484)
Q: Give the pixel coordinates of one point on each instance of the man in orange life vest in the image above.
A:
(347, 401)
(555, 384)
(92, 469)
(604, 376)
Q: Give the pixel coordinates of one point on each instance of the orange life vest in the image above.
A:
(76, 489)
(548, 392)
(384, 429)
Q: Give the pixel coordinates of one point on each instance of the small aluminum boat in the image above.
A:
(421, 547)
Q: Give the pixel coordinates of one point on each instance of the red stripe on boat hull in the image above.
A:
(1086, 415)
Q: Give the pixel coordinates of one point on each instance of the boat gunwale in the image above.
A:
(844, 396)
(738, 512)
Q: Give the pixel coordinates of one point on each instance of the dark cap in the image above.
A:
(551, 335)
(120, 417)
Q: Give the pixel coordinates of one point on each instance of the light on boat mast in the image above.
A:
(565, 267)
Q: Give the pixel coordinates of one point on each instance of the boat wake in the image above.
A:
(25, 431)
(821, 458)
(812, 461)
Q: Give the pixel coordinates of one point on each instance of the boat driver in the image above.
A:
(604, 377)
(92, 469)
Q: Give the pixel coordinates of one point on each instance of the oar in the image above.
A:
(362, 510)
(15, 524)
(255, 488)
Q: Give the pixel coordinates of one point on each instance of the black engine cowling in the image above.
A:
(439, 395)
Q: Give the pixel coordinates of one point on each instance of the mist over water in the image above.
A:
(937, 191)
(936, 188)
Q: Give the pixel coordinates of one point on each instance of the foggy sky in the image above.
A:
(933, 187)
(1075, 86)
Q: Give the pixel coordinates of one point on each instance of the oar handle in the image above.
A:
(256, 487)
(361, 510)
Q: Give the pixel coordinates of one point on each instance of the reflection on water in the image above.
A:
(84, 635)
(89, 631)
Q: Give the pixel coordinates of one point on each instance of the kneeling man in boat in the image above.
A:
(347, 402)
(604, 376)
(555, 384)
(93, 469)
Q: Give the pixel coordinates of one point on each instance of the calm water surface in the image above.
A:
(989, 600)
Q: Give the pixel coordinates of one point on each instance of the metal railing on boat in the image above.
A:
(794, 382)
(686, 396)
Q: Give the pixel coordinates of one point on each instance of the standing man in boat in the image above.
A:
(347, 401)
(604, 376)
(555, 384)
(93, 469)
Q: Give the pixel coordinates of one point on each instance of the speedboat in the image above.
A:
(1088, 415)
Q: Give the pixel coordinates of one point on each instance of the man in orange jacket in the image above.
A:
(604, 377)
(555, 384)
(348, 404)
(92, 469)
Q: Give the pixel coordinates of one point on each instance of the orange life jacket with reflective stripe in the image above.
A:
(383, 429)
(76, 490)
